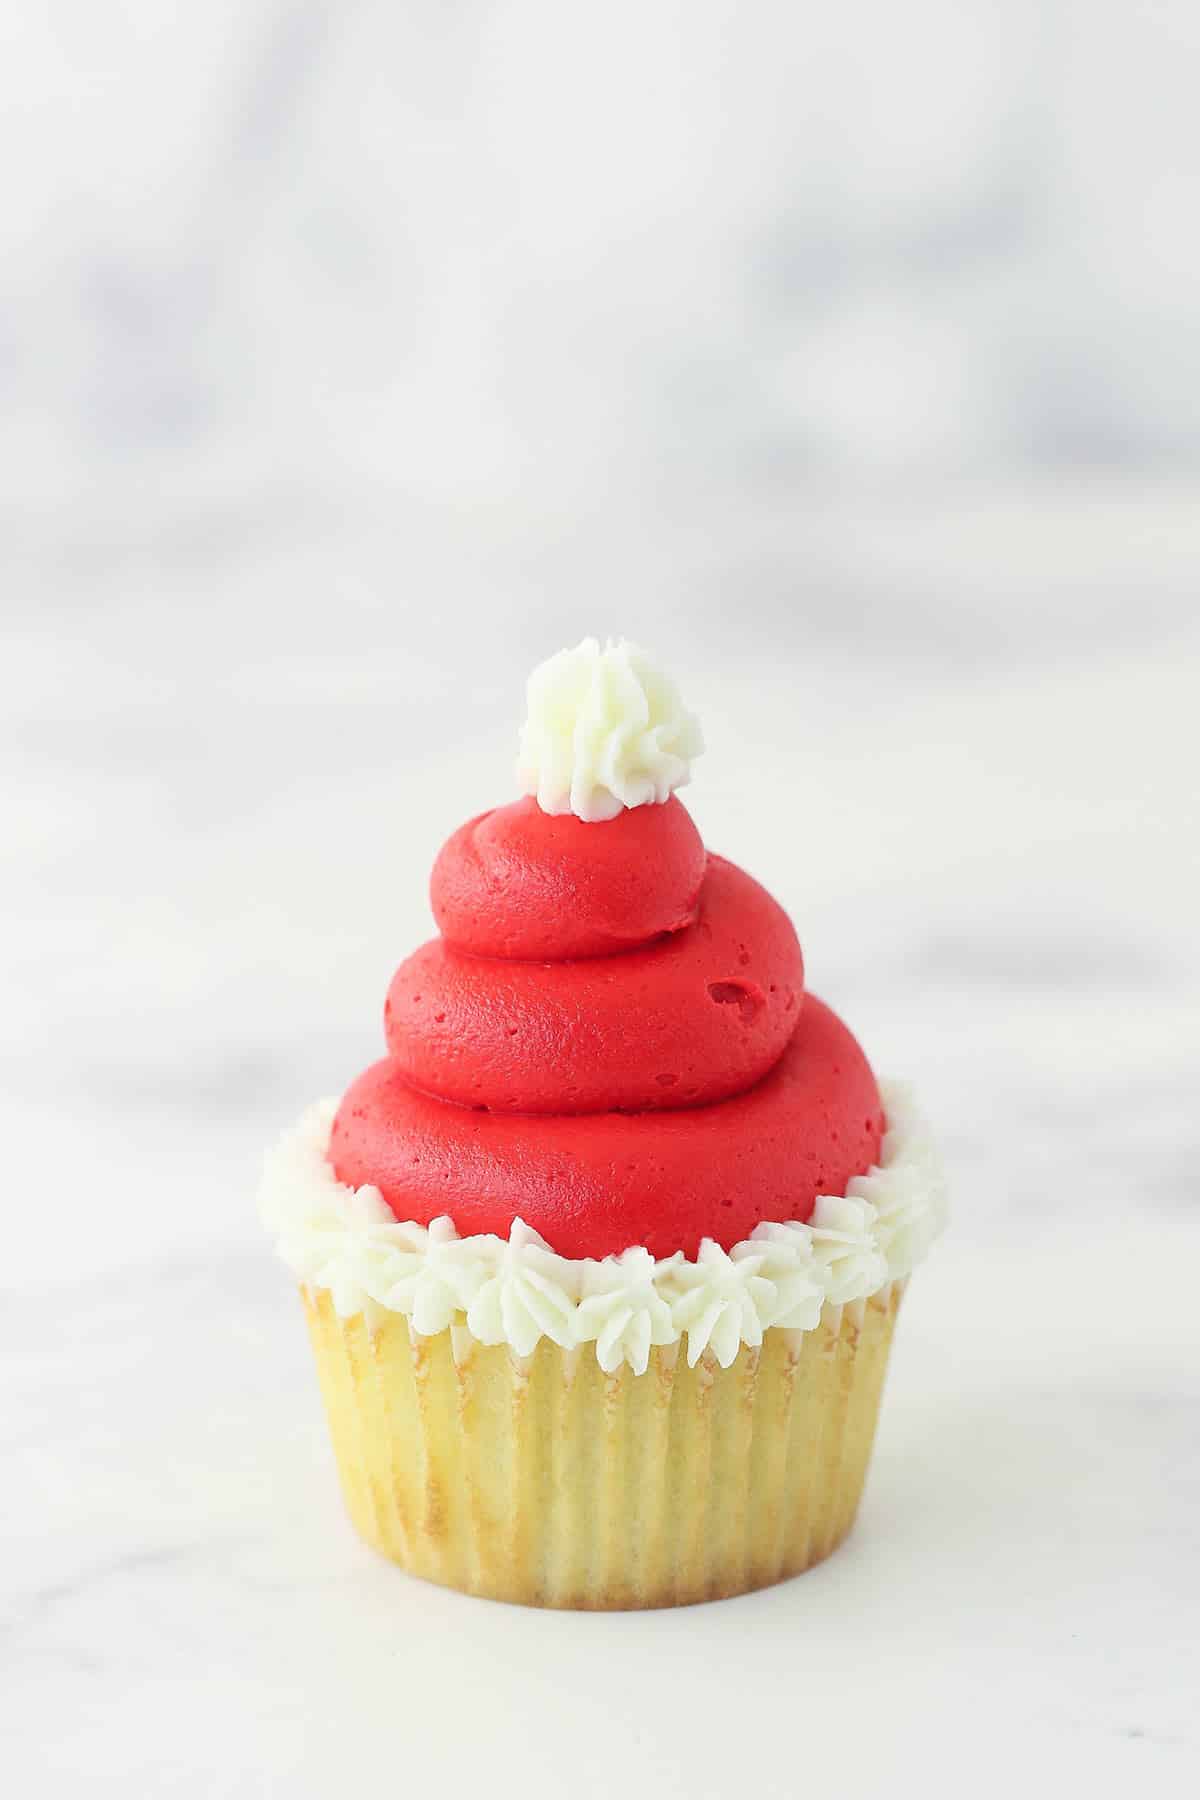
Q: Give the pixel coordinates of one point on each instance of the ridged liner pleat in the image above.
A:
(543, 1480)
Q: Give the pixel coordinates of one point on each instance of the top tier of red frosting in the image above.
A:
(609, 1040)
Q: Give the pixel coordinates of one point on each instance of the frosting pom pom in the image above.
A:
(606, 730)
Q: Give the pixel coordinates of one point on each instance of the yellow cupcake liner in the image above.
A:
(544, 1481)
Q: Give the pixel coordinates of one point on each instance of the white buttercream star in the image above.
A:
(335, 1244)
(622, 1312)
(720, 1302)
(787, 1260)
(908, 1190)
(905, 1221)
(528, 1293)
(327, 1233)
(429, 1275)
(844, 1248)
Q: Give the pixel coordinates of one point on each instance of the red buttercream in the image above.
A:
(695, 1016)
(672, 1083)
(518, 883)
(596, 1184)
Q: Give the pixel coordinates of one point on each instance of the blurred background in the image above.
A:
(354, 356)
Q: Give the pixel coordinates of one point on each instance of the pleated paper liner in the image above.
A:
(544, 1481)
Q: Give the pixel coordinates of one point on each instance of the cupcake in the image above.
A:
(602, 1261)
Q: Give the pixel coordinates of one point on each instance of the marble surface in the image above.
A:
(217, 842)
(354, 357)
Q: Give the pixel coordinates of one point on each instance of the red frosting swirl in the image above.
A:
(517, 882)
(610, 1041)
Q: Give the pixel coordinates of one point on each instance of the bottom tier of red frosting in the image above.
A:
(595, 1184)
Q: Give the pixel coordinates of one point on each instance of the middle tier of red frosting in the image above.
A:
(667, 1083)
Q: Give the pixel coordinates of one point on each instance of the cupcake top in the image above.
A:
(609, 1049)
(611, 1038)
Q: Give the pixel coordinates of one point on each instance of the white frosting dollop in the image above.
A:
(430, 1275)
(338, 1237)
(787, 1261)
(517, 1290)
(722, 1301)
(606, 729)
(622, 1309)
(527, 1294)
(851, 1262)
(908, 1193)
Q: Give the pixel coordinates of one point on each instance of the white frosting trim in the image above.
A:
(606, 729)
(516, 1290)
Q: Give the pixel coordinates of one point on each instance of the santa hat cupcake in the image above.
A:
(602, 1260)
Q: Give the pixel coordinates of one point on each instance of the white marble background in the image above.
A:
(352, 357)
